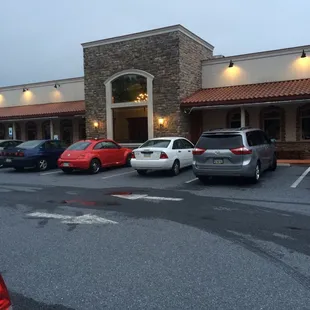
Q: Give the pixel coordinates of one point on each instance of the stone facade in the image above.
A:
(174, 60)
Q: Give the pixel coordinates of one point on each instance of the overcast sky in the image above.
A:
(40, 39)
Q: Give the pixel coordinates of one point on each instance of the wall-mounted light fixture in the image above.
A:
(303, 54)
(56, 85)
(96, 124)
(161, 122)
(25, 89)
(231, 64)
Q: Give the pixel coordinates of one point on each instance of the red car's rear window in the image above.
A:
(79, 146)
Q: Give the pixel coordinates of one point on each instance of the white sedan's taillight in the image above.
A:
(163, 155)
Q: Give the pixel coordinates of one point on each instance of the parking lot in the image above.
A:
(286, 183)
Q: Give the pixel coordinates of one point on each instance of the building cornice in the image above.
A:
(257, 55)
(43, 84)
(149, 33)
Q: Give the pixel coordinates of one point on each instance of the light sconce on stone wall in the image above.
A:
(96, 125)
(161, 122)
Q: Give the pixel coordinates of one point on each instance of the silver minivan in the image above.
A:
(243, 152)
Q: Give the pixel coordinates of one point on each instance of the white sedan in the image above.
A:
(167, 153)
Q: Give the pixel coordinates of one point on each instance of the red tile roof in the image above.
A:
(250, 93)
(43, 110)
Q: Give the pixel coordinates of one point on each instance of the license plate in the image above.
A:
(66, 164)
(8, 160)
(218, 161)
(147, 155)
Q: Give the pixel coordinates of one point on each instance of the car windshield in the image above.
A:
(156, 143)
(79, 146)
(219, 142)
(30, 144)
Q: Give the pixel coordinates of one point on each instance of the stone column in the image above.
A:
(242, 110)
(51, 129)
(14, 131)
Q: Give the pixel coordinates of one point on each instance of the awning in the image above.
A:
(71, 108)
(250, 93)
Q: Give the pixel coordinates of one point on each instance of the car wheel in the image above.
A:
(257, 172)
(42, 164)
(128, 161)
(67, 170)
(94, 166)
(19, 169)
(175, 170)
(273, 166)
(142, 172)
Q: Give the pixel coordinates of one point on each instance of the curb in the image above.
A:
(284, 165)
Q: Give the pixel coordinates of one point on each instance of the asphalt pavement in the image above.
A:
(125, 242)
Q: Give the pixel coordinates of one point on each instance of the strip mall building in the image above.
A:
(167, 82)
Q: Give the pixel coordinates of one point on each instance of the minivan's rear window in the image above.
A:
(219, 142)
(79, 146)
(156, 143)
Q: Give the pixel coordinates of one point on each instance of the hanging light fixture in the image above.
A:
(56, 86)
(25, 89)
(303, 54)
(231, 64)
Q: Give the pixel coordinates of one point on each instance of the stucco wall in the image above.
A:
(258, 68)
(69, 90)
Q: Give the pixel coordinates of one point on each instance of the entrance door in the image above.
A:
(137, 129)
(196, 126)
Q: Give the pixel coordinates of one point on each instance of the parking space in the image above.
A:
(284, 179)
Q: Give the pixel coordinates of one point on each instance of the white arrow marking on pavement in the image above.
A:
(68, 219)
(146, 197)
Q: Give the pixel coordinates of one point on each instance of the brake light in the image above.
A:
(163, 155)
(133, 155)
(198, 151)
(5, 301)
(21, 154)
(241, 151)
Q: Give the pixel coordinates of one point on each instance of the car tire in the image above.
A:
(67, 170)
(274, 164)
(42, 164)
(175, 170)
(256, 177)
(128, 161)
(19, 169)
(142, 172)
(94, 166)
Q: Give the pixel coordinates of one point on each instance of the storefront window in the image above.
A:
(82, 130)
(305, 124)
(66, 130)
(2, 132)
(272, 123)
(31, 131)
(46, 132)
(129, 88)
(234, 119)
(18, 132)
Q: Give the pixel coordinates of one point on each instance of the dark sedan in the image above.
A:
(38, 154)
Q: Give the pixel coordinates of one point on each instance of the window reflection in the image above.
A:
(129, 88)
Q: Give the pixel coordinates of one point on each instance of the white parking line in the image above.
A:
(52, 172)
(296, 183)
(117, 175)
(190, 181)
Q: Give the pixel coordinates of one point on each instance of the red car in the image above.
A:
(92, 155)
(5, 301)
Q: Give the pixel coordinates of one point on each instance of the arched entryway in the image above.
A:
(46, 130)
(31, 131)
(129, 106)
(66, 131)
(18, 132)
